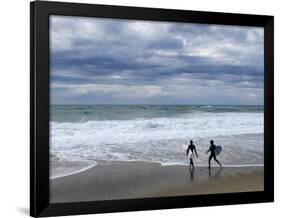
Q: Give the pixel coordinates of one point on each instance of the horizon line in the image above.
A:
(170, 104)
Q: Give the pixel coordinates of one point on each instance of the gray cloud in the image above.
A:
(107, 61)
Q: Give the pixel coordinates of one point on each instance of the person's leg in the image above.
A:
(210, 157)
(191, 162)
(217, 160)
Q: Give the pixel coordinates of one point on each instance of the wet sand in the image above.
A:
(128, 180)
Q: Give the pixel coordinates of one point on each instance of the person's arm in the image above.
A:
(195, 151)
(208, 150)
(187, 151)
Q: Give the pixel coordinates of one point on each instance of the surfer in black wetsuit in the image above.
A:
(212, 149)
(192, 149)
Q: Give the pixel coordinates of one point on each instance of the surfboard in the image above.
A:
(218, 149)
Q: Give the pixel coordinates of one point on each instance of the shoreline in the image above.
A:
(94, 163)
(74, 172)
(170, 152)
(59, 168)
(110, 180)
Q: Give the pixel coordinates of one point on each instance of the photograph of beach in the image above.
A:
(146, 109)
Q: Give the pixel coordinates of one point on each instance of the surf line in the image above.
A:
(93, 164)
(226, 166)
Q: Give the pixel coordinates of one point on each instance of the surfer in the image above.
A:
(192, 149)
(212, 149)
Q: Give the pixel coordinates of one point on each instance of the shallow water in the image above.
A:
(157, 133)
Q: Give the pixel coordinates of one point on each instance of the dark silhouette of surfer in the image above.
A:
(212, 149)
(192, 149)
(191, 171)
(216, 175)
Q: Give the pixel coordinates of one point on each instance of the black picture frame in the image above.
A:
(39, 107)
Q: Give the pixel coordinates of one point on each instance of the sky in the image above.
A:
(114, 61)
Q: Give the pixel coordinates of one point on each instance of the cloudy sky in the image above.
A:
(109, 61)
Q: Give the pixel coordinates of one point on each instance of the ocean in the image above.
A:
(157, 133)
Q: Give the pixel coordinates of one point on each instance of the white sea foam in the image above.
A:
(156, 139)
(61, 168)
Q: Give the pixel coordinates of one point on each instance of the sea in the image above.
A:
(157, 133)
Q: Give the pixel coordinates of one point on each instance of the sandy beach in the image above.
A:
(128, 180)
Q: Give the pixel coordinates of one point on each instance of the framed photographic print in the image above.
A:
(144, 108)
